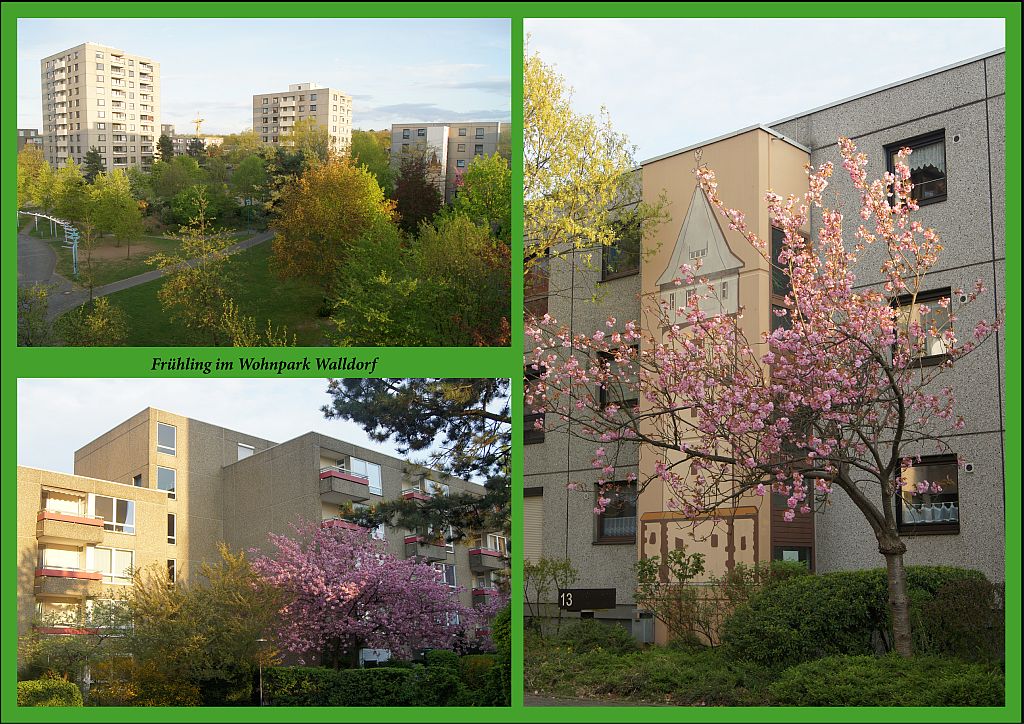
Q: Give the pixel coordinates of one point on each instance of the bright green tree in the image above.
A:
(30, 166)
(249, 181)
(370, 149)
(485, 195)
(70, 193)
(311, 138)
(238, 146)
(113, 209)
(33, 311)
(578, 172)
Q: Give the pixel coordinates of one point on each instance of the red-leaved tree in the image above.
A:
(834, 396)
(343, 592)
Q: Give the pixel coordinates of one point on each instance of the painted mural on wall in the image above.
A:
(701, 241)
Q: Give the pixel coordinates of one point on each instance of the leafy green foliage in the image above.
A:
(888, 681)
(844, 612)
(33, 309)
(92, 164)
(94, 324)
(370, 150)
(441, 657)
(485, 195)
(592, 635)
(165, 147)
(49, 692)
(449, 287)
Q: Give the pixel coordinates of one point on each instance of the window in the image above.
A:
(371, 471)
(792, 553)
(421, 132)
(405, 133)
(461, 163)
(166, 479)
(496, 542)
(536, 283)
(479, 133)
(932, 319)
(478, 149)
(118, 515)
(137, 480)
(245, 451)
(618, 522)
(531, 433)
(166, 438)
(171, 575)
(929, 500)
(781, 285)
(447, 570)
(312, 96)
(461, 147)
(172, 528)
(99, 66)
(462, 131)
(927, 165)
(621, 389)
(115, 564)
(622, 257)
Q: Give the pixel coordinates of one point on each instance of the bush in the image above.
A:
(965, 619)
(314, 686)
(592, 635)
(888, 681)
(49, 692)
(442, 657)
(809, 617)
(499, 684)
(438, 686)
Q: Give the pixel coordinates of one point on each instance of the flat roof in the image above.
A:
(911, 79)
(768, 127)
(748, 129)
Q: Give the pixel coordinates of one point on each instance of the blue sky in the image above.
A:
(670, 83)
(403, 70)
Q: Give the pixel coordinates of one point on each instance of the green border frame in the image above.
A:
(504, 362)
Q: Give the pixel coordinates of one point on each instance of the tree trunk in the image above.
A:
(899, 602)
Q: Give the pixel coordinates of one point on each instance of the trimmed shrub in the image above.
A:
(49, 692)
(888, 681)
(591, 635)
(808, 617)
(315, 686)
(965, 619)
(442, 657)
(439, 686)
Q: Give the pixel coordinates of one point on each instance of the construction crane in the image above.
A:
(199, 122)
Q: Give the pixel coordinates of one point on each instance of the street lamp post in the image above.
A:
(260, 661)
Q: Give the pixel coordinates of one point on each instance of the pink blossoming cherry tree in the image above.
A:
(835, 396)
(343, 592)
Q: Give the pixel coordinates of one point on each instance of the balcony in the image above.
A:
(343, 524)
(54, 527)
(68, 582)
(483, 595)
(414, 494)
(426, 548)
(339, 486)
(485, 560)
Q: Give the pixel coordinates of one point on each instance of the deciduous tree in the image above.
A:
(370, 149)
(320, 217)
(417, 196)
(835, 397)
(98, 323)
(342, 592)
(485, 195)
(113, 209)
(578, 172)
(30, 166)
(309, 137)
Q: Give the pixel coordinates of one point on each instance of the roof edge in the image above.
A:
(740, 132)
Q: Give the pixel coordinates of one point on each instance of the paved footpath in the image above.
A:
(37, 262)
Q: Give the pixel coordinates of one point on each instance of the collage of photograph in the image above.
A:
(393, 363)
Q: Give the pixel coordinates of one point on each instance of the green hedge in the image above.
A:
(808, 617)
(592, 635)
(888, 681)
(49, 692)
(432, 685)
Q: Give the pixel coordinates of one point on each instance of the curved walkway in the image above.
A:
(37, 261)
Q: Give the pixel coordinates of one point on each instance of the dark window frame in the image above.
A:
(913, 143)
(950, 528)
(599, 537)
(606, 249)
(930, 295)
(602, 393)
(531, 435)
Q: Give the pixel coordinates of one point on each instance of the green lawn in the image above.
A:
(260, 295)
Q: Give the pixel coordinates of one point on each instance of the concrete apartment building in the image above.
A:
(448, 147)
(166, 490)
(274, 114)
(97, 96)
(29, 137)
(954, 119)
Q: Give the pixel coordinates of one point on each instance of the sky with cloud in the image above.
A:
(396, 70)
(58, 416)
(670, 83)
